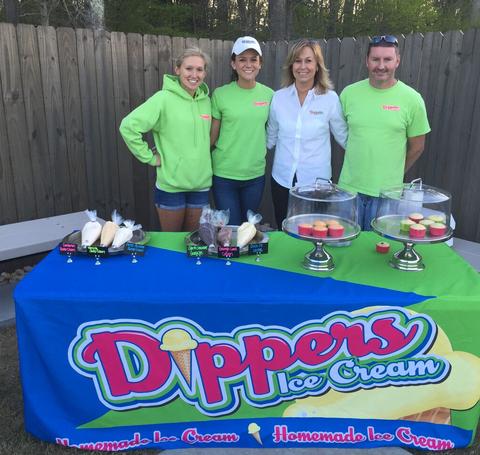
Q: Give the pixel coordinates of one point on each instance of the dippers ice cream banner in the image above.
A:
(377, 376)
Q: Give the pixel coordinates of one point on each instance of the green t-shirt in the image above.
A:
(240, 150)
(379, 123)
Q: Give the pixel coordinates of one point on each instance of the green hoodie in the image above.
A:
(180, 125)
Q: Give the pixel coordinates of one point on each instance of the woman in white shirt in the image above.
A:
(302, 115)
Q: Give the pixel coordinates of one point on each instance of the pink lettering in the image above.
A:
(103, 349)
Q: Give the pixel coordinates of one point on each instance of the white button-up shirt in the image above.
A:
(301, 134)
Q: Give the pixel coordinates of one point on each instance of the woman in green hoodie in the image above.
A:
(179, 117)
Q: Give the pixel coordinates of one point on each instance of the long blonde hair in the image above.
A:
(322, 81)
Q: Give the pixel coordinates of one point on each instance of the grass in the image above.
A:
(14, 439)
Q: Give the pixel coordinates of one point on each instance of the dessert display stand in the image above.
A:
(319, 259)
(324, 214)
(414, 214)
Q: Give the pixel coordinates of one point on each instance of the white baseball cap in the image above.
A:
(246, 42)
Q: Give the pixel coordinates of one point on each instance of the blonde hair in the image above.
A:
(192, 52)
(321, 81)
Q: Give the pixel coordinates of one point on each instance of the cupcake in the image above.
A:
(319, 223)
(320, 231)
(335, 230)
(437, 229)
(405, 224)
(416, 217)
(427, 223)
(305, 229)
(382, 247)
(437, 218)
(417, 231)
(332, 223)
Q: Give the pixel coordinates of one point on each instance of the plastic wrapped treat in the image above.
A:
(206, 230)
(125, 233)
(224, 236)
(91, 230)
(110, 228)
(247, 230)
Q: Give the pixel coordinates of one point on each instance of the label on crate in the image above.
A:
(228, 252)
(257, 248)
(134, 248)
(197, 251)
(68, 248)
(97, 251)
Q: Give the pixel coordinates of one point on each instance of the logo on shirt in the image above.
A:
(206, 116)
(390, 107)
(316, 112)
(260, 103)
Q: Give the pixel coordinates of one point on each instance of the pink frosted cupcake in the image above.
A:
(320, 231)
(305, 229)
(417, 231)
(335, 230)
(437, 229)
(416, 217)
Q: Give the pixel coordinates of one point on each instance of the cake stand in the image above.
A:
(406, 259)
(319, 259)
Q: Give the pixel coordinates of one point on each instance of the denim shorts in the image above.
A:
(181, 200)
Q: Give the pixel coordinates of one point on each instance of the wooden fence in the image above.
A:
(65, 91)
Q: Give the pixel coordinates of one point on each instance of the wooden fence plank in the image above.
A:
(205, 46)
(280, 58)
(217, 49)
(333, 58)
(35, 126)
(67, 53)
(267, 73)
(15, 122)
(106, 110)
(137, 97)
(225, 59)
(165, 59)
(122, 108)
(178, 46)
(8, 206)
(91, 123)
(150, 74)
(47, 44)
(433, 102)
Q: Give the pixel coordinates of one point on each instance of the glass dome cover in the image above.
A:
(414, 211)
(321, 205)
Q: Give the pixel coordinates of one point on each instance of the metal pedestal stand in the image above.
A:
(319, 259)
(407, 259)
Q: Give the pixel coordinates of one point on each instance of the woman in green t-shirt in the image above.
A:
(239, 115)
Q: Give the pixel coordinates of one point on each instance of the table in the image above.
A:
(169, 354)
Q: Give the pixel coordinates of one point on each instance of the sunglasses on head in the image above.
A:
(386, 38)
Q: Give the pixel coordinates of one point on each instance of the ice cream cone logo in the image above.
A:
(254, 430)
(180, 345)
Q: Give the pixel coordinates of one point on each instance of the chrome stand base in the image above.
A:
(407, 259)
(318, 259)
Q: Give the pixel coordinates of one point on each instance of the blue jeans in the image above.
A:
(180, 200)
(238, 196)
(366, 210)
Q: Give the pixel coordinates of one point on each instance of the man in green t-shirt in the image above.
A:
(387, 122)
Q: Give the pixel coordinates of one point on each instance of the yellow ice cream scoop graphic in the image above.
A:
(177, 340)
(460, 390)
(254, 430)
(180, 345)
